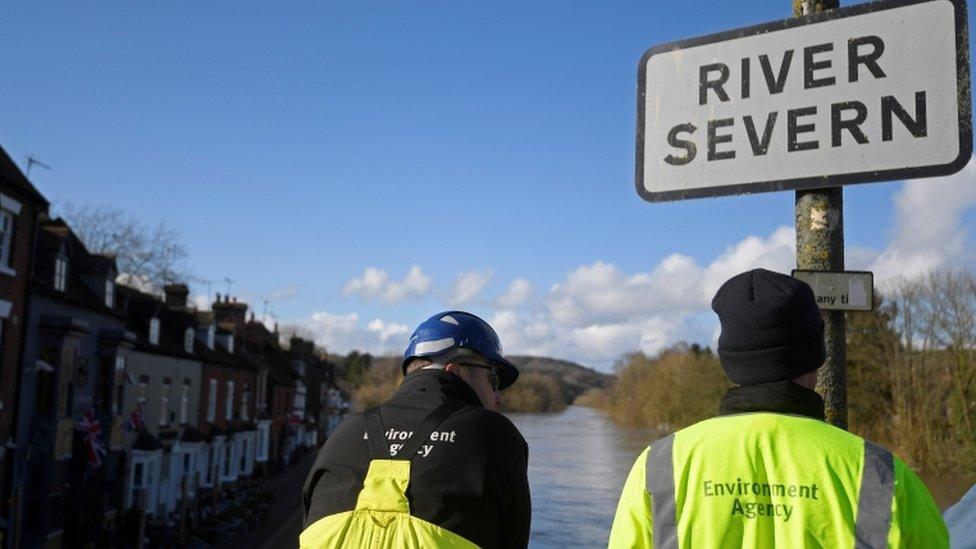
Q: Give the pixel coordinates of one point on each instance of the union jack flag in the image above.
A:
(135, 422)
(92, 429)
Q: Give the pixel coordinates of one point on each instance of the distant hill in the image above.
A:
(546, 384)
(576, 379)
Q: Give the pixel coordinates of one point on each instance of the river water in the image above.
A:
(578, 461)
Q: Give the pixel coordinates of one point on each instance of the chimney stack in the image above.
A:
(231, 312)
(176, 295)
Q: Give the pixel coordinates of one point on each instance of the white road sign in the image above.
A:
(840, 290)
(872, 92)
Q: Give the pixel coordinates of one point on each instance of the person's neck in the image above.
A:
(780, 397)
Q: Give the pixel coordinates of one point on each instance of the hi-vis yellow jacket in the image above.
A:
(382, 519)
(773, 480)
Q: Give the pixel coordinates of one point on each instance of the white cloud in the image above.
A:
(343, 333)
(776, 253)
(523, 334)
(200, 301)
(598, 344)
(387, 330)
(600, 292)
(468, 287)
(860, 258)
(139, 282)
(603, 342)
(377, 284)
(518, 292)
(599, 312)
(928, 233)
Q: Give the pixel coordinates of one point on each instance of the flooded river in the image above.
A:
(578, 461)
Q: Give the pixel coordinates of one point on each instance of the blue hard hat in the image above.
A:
(455, 330)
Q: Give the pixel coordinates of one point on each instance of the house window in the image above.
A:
(262, 389)
(212, 463)
(164, 402)
(230, 344)
(211, 334)
(119, 384)
(154, 331)
(219, 457)
(264, 433)
(138, 481)
(229, 402)
(66, 386)
(188, 340)
(187, 474)
(109, 293)
(143, 473)
(230, 462)
(245, 401)
(244, 448)
(61, 273)
(142, 390)
(250, 455)
(228, 459)
(212, 401)
(185, 402)
(6, 234)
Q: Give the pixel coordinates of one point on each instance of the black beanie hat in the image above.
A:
(771, 328)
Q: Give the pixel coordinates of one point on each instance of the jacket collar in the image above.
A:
(781, 397)
(439, 382)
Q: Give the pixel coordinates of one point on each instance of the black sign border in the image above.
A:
(963, 98)
(869, 273)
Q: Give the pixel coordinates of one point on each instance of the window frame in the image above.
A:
(185, 403)
(155, 327)
(164, 391)
(151, 463)
(118, 384)
(212, 400)
(109, 292)
(229, 401)
(61, 273)
(6, 236)
(188, 338)
(245, 402)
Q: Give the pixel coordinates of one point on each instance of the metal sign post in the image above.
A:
(833, 96)
(820, 247)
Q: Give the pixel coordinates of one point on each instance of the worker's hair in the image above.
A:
(417, 364)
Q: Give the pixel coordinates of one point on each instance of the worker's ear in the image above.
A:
(452, 368)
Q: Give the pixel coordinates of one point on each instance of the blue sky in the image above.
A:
(305, 150)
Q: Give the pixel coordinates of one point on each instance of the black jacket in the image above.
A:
(471, 480)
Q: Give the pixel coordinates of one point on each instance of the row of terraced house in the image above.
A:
(112, 398)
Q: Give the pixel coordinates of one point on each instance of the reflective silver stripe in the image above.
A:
(660, 484)
(874, 500)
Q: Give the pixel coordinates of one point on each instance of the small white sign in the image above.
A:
(872, 92)
(840, 290)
